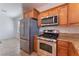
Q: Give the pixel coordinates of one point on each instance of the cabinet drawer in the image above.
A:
(62, 43)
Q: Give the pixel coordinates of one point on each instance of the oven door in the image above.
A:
(46, 48)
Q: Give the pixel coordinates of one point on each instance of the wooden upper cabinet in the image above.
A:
(67, 14)
(73, 13)
(39, 20)
(28, 14)
(33, 13)
(43, 14)
(63, 10)
(25, 15)
(53, 12)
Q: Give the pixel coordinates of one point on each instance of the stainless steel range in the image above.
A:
(47, 42)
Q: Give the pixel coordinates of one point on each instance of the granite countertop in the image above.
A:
(74, 38)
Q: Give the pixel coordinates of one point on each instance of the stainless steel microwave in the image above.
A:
(50, 21)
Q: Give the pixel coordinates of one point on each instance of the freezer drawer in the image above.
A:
(24, 45)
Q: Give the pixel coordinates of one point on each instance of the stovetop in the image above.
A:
(50, 35)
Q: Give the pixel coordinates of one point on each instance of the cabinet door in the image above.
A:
(73, 13)
(30, 14)
(53, 12)
(62, 43)
(63, 15)
(62, 51)
(62, 48)
(39, 20)
(43, 14)
(26, 15)
(35, 43)
(35, 13)
(72, 50)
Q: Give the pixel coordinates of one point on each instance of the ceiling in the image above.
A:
(15, 10)
(39, 6)
(12, 10)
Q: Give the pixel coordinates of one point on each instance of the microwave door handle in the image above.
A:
(53, 19)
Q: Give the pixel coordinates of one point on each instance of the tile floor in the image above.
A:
(11, 47)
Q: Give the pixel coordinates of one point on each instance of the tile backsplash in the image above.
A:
(70, 29)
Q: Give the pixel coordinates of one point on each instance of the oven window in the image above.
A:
(46, 47)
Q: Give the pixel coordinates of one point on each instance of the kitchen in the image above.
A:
(52, 32)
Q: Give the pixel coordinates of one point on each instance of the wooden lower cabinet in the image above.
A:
(62, 48)
(35, 43)
(72, 50)
(62, 51)
(65, 48)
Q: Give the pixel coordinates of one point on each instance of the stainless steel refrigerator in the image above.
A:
(28, 28)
